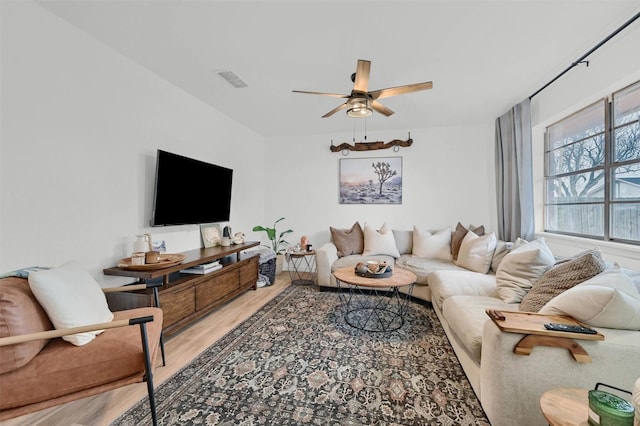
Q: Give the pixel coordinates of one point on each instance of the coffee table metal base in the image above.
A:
(374, 309)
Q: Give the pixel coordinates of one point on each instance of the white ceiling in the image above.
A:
(482, 56)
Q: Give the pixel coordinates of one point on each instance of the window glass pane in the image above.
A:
(578, 156)
(626, 183)
(585, 219)
(625, 221)
(578, 188)
(626, 105)
(626, 116)
(627, 142)
(581, 125)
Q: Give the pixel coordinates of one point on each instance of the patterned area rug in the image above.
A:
(297, 362)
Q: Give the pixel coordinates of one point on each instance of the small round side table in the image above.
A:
(302, 267)
(566, 406)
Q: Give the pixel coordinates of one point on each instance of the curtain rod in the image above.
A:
(583, 57)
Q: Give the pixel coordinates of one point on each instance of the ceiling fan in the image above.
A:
(361, 102)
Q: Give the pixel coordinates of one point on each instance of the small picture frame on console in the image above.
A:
(211, 235)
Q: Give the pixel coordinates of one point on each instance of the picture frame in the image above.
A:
(375, 180)
(211, 234)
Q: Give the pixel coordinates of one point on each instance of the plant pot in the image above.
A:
(279, 263)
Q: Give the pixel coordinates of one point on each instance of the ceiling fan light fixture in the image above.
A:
(359, 108)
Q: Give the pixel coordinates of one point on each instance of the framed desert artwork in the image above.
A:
(371, 180)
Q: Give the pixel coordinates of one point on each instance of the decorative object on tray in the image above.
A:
(151, 257)
(374, 269)
(164, 261)
(159, 246)
(211, 235)
(142, 244)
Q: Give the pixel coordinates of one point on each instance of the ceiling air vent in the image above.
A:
(232, 78)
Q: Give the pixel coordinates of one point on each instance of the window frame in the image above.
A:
(608, 167)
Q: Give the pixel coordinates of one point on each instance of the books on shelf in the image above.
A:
(207, 265)
(202, 269)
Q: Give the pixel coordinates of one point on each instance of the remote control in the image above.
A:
(570, 328)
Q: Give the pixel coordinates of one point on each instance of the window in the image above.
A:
(592, 170)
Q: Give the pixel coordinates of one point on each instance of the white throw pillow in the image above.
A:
(610, 300)
(432, 246)
(521, 268)
(379, 242)
(71, 298)
(476, 252)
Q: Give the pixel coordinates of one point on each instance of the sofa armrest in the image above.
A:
(505, 374)
(325, 256)
(52, 334)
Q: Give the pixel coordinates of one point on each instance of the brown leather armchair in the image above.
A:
(39, 370)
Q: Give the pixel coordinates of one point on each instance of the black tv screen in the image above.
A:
(190, 191)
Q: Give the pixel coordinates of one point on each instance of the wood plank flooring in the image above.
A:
(180, 349)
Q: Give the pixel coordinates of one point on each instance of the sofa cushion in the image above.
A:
(458, 235)
(466, 317)
(447, 283)
(348, 241)
(476, 252)
(20, 313)
(71, 298)
(423, 267)
(404, 241)
(379, 242)
(521, 268)
(503, 248)
(610, 300)
(433, 246)
(62, 369)
(561, 277)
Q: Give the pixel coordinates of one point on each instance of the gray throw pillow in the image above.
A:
(561, 277)
(348, 241)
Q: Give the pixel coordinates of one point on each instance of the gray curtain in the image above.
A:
(514, 173)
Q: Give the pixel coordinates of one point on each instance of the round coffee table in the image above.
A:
(374, 304)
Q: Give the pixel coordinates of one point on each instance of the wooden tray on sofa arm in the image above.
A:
(532, 325)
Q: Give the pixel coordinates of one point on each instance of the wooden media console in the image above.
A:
(186, 297)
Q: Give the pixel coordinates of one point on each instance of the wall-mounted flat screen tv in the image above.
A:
(190, 191)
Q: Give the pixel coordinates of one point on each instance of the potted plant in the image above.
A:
(278, 243)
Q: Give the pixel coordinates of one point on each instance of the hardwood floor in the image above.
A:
(180, 349)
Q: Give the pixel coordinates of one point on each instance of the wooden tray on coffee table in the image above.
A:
(532, 324)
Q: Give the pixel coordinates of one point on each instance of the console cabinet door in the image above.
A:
(217, 287)
(177, 304)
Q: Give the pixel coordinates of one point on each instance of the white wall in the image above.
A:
(80, 129)
(447, 177)
(612, 67)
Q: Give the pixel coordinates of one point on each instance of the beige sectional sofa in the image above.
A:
(508, 385)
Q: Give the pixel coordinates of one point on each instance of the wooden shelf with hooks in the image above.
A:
(370, 146)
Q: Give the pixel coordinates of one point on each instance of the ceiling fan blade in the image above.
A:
(381, 108)
(333, 111)
(362, 76)
(400, 90)
(335, 95)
